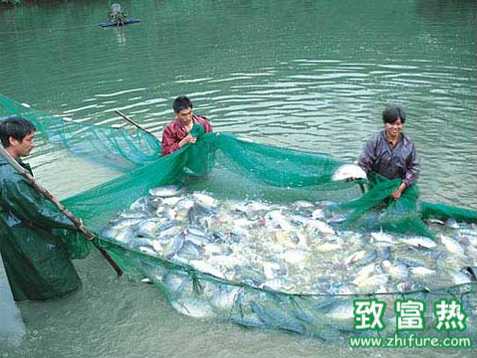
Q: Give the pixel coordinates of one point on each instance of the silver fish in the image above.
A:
(204, 200)
(452, 224)
(224, 298)
(285, 248)
(171, 201)
(396, 271)
(421, 271)
(321, 226)
(349, 171)
(341, 312)
(419, 242)
(382, 237)
(148, 228)
(165, 191)
(451, 245)
(193, 307)
(460, 278)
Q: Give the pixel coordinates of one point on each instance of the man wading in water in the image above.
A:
(178, 132)
(36, 259)
(390, 153)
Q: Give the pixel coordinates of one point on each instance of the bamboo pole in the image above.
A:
(76, 222)
(128, 119)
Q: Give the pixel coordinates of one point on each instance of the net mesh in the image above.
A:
(232, 168)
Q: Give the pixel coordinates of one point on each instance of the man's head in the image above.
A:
(17, 135)
(393, 118)
(183, 109)
(392, 113)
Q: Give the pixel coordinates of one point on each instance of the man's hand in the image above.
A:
(397, 194)
(187, 139)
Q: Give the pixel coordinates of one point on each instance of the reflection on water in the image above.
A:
(310, 75)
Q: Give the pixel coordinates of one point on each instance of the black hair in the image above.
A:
(392, 112)
(16, 127)
(181, 103)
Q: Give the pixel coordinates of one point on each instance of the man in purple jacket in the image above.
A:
(390, 153)
(178, 132)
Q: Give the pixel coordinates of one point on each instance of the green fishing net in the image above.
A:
(232, 168)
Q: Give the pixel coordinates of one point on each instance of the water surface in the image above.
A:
(310, 75)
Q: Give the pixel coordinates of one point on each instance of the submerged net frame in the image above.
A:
(254, 171)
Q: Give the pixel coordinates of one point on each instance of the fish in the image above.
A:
(341, 312)
(122, 223)
(295, 257)
(126, 235)
(148, 228)
(419, 242)
(171, 201)
(318, 214)
(382, 237)
(224, 297)
(175, 281)
(296, 248)
(337, 219)
(204, 200)
(460, 277)
(451, 245)
(172, 246)
(355, 257)
(471, 252)
(436, 221)
(271, 270)
(193, 307)
(370, 257)
(142, 204)
(451, 223)
(328, 246)
(303, 204)
(165, 191)
(172, 231)
(147, 250)
(321, 227)
(421, 271)
(188, 250)
(135, 215)
(396, 271)
(348, 172)
(363, 274)
(277, 220)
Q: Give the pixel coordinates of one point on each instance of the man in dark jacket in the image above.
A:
(36, 260)
(391, 153)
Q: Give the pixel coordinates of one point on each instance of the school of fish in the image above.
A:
(294, 248)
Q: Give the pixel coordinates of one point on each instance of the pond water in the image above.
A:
(310, 75)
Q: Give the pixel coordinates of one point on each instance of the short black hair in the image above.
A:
(16, 127)
(392, 112)
(181, 103)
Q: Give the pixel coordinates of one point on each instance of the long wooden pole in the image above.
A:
(76, 222)
(128, 119)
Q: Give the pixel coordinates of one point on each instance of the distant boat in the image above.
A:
(112, 23)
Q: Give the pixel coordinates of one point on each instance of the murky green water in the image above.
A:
(312, 75)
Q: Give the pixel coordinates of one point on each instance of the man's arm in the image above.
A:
(368, 156)
(169, 143)
(411, 174)
(412, 168)
(30, 206)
